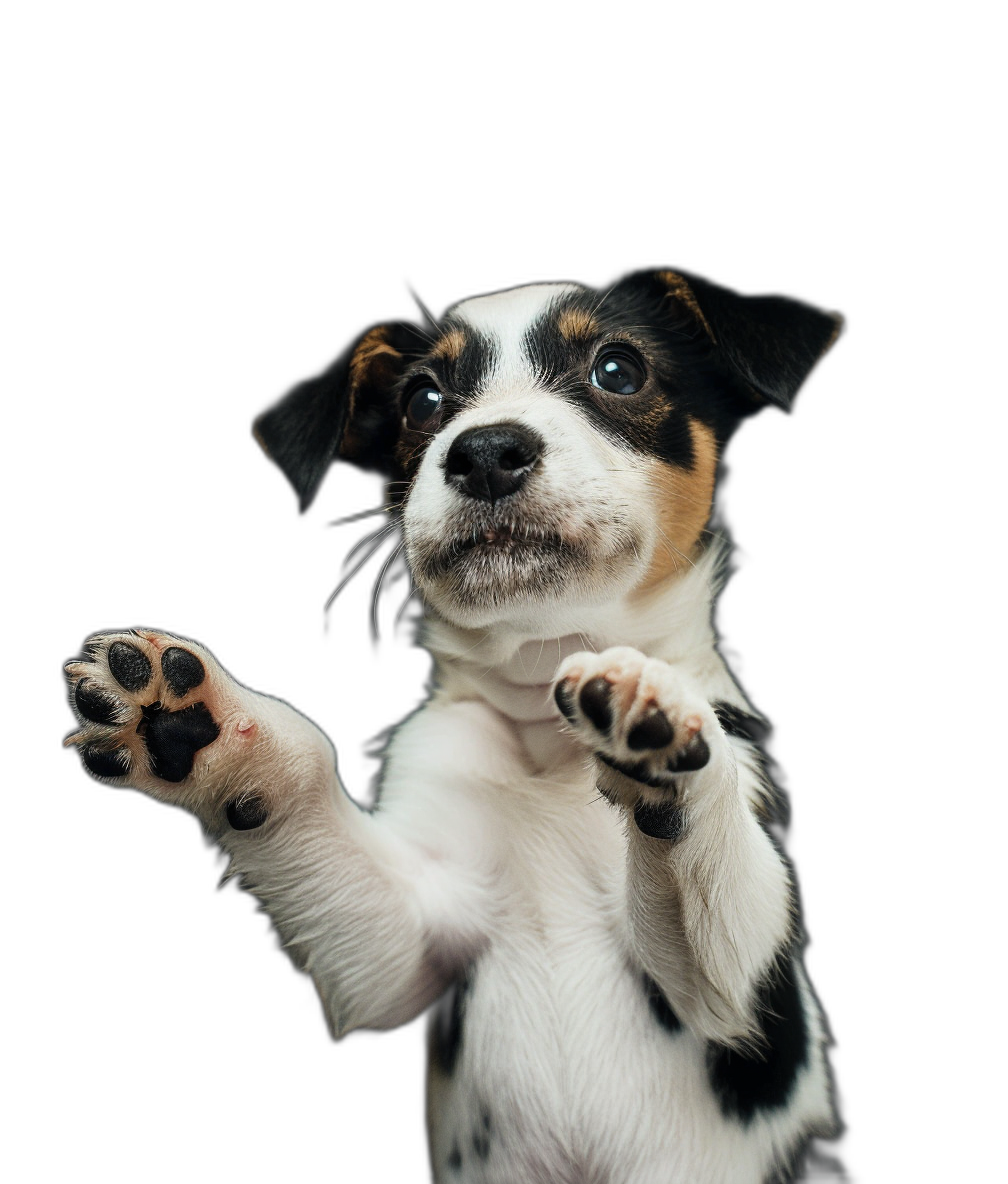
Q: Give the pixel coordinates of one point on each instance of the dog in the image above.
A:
(574, 861)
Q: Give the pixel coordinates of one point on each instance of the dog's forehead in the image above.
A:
(506, 317)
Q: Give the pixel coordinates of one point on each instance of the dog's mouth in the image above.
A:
(497, 542)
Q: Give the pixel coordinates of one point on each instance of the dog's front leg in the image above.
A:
(379, 923)
(709, 898)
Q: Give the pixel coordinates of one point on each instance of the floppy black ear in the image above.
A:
(349, 411)
(767, 343)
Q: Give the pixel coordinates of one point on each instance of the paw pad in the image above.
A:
(127, 696)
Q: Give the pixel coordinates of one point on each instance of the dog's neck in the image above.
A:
(511, 667)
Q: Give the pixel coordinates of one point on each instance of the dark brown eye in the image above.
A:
(618, 371)
(423, 404)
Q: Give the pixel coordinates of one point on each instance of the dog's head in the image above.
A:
(550, 444)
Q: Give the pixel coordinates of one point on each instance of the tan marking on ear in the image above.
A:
(259, 439)
(683, 502)
(575, 322)
(681, 290)
(369, 347)
(450, 346)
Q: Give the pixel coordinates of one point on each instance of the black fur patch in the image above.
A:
(447, 1024)
(816, 1162)
(740, 724)
(455, 1158)
(174, 737)
(130, 667)
(660, 1007)
(750, 1083)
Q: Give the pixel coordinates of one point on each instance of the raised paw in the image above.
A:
(641, 718)
(152, 710)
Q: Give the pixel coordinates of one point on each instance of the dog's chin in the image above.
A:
(500, 575)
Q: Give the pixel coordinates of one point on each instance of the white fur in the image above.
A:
(492, 848)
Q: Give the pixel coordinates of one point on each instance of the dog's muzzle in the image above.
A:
(492, 462)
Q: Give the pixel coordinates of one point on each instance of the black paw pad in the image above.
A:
(652, 730)
(694, 756)
(129, 666)
(664, 821)
(182, 670)
(246, 813)
(103, 763)
(564, 699)
(596, 702)
(94, 704)
(174, 737)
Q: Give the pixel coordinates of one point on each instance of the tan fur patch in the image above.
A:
(371, 344)
(575, 322)
(683, 500)
(450, 346)
(681, 290)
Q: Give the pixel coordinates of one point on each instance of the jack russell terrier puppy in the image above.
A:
(575, 857)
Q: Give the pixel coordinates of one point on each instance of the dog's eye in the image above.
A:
(618, 371)
(422, 406)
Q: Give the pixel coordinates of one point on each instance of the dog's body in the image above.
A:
(574, 857)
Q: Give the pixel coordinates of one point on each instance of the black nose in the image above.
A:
(492, 462)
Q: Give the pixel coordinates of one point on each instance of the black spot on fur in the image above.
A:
(664, 821)
(130, 667)
(740, 724)
(660, 1006)
(446, 1026)
(182, 670)
(455, 1158)
(174, 737)
(750, 1083)
(482, 1134)
(816, 1162)
(596, 697)
(95, 704)
(652, 730)
(103, 763)
(246, 813)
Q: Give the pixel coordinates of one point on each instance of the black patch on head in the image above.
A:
(103, 763)
(649, 420)
(182, 670)
(95, 704)
(816, 1162)
(129, 666)
(743, 725)
(750, 1083)
(174, 737)
(446, 1025)
(660, 1007)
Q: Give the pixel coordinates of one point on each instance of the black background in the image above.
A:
(185, 285)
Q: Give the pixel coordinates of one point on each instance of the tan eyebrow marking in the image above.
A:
(575, 322)
(450, 346)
